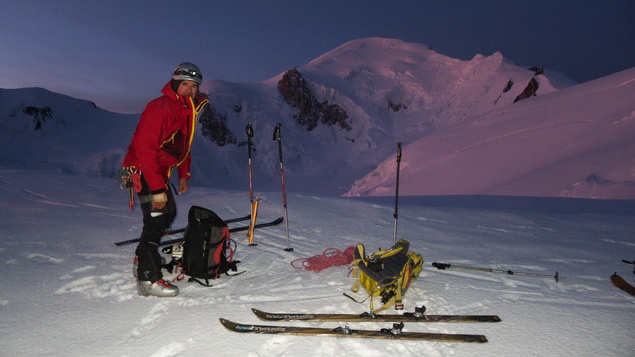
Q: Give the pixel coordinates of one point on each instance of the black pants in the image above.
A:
(153, 229)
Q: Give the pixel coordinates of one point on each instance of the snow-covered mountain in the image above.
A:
(364, 96)
(577, 142)
(342, 115)
(40, 129)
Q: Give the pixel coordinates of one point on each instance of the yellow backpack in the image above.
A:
(386, 274)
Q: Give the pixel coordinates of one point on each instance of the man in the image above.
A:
(162, 142)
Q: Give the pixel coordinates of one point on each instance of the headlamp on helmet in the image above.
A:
(187, 72)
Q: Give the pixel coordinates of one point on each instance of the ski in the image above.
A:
(417, 316)
(619, 282)
(170, 232)
(231, 230)
(180, 230)
(394, 333)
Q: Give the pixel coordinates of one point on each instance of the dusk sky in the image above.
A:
(119, 54)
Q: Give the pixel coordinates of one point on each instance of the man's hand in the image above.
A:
(183, 186)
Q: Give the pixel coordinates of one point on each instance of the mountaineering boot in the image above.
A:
(161, 288)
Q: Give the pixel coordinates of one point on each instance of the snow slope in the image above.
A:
(576, 142)
(68, 291)
(77, 138)
(391, 90)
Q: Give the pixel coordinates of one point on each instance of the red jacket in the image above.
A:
(163, 138)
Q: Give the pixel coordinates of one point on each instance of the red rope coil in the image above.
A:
(330, 257)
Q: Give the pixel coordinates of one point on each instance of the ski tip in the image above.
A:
(228, 324)
(261, 314)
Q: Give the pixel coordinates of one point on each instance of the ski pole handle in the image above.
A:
(276, 136)
(441, 266)
(250, 130)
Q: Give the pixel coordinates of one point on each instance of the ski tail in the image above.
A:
(622, 284)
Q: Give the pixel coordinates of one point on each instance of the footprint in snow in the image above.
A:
(77, 271)
(104, 286)
(151, 320)
(171, 349)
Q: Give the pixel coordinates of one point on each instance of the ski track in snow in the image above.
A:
(41, 198)
(43, 259)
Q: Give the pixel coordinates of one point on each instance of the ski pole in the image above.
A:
(250, 133)
(443, 266)
(276, 136)
(627, 262)
(395, 215)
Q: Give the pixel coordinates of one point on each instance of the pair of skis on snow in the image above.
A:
(395, 332)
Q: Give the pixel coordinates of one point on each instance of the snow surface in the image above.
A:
(68, 291)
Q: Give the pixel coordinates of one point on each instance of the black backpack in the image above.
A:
(206, 249)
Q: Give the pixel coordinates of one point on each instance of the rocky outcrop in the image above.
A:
(310, 112)
(532, 86)
(40, 115)
(214, 127)
(529, 91)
